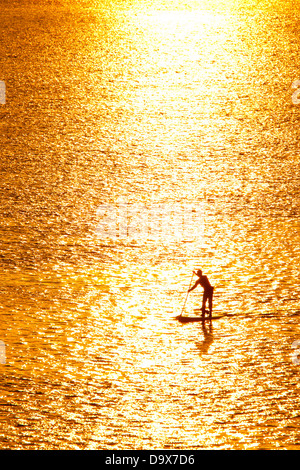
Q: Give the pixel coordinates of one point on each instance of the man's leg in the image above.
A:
(210, 299)
(204, 304)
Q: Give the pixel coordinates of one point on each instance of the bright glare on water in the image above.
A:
(140, 141)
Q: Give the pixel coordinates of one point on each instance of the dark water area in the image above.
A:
(140, 141)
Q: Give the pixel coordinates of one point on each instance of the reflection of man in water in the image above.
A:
(207, 294)
(208, 338)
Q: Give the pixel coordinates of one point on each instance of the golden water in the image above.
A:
(140, 105)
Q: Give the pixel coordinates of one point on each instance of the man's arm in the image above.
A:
(194, 286)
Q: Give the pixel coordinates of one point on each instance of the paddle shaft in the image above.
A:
(187, 294)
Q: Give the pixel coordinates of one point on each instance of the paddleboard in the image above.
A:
(188, 319)
(196, 319)
(191, 319)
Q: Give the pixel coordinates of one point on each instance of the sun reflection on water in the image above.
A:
(179, 104)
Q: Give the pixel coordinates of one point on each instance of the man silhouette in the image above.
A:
(207, 293)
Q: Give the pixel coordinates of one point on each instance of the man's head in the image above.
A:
(199, 273)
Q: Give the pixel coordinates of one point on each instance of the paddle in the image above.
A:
(187, 294)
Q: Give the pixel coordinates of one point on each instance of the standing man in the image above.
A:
(207, 293)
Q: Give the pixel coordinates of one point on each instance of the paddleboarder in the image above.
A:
(207, 293)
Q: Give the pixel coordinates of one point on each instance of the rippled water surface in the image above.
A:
(140, 141)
